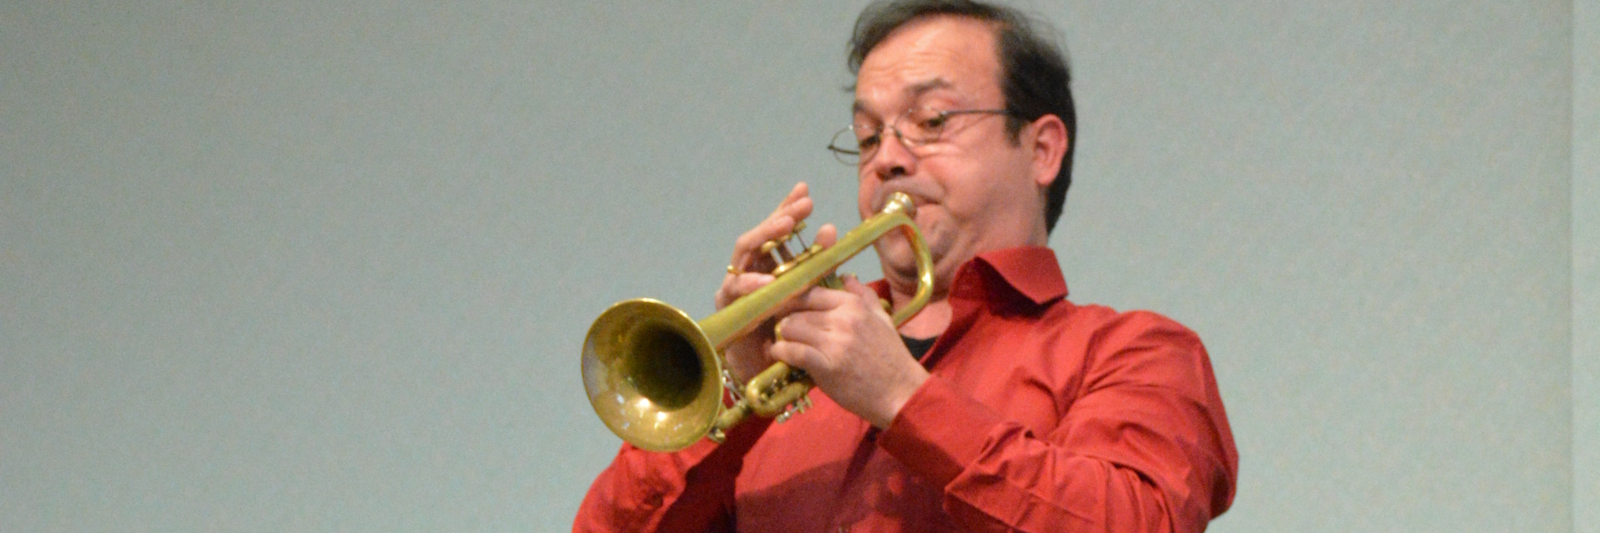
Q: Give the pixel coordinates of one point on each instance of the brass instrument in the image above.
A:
(656, 377)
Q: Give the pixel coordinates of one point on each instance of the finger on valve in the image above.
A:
(782, 221)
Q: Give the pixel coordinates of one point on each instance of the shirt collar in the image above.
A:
(1031, 272)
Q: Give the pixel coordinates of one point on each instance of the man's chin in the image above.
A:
(899, 260)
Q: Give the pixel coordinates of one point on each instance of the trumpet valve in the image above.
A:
(776, 248)
(799, 406)
(779, 246)
(794, 261)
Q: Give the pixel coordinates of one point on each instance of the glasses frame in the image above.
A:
(851, 154)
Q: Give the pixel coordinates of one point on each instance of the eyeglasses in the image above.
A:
(917, 127)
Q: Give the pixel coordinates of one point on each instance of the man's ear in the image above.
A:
(1049, 145)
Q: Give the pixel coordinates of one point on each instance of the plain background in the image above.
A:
(326, 266)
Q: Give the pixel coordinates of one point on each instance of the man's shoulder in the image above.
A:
(1106, 323)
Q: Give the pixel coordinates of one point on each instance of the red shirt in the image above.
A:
(1040, 415)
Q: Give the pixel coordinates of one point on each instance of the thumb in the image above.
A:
(852, 284)
(861, 290)
(827, 235)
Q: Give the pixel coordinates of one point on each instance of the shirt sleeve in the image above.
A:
(688, 490)
(1143, 443)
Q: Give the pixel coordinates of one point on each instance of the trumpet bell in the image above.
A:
(652, 375)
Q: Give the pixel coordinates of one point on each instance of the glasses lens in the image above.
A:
(922, 125)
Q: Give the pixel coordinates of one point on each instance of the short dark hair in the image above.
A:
(1034, 75)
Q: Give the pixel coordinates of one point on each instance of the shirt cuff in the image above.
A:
(939, 431)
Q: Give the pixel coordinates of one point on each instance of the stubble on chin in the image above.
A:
(900, 262)
(894, 251)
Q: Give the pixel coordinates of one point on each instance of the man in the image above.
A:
(1001, 406)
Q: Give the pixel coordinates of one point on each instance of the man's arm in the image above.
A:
(1145, 447)
(688, 490)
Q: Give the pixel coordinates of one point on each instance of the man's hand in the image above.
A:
(843, 338)
(748, 270)
(850, 346)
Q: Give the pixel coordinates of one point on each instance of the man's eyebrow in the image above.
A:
(923, 87)
(914, 91)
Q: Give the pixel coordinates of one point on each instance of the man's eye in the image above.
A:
(869, 143)
(927, 128)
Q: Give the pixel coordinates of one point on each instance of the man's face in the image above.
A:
(975, 188)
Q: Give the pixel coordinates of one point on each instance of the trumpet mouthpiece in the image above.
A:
(901, 202)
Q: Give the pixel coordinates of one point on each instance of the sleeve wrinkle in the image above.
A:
(689, 490)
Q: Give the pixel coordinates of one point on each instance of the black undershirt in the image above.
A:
(918, 347)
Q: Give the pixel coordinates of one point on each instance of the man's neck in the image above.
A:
(929, 323)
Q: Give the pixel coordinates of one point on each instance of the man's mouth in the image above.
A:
(917, 198)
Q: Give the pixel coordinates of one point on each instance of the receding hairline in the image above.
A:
(913, 91)
(994, 26)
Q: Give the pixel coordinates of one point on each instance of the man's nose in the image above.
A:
(893, 158)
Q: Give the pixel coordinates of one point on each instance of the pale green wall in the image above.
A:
(1586, 265)
(324, 266)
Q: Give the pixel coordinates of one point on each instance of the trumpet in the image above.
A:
(656, 377)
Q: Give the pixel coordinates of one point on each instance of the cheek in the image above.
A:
(864, 193)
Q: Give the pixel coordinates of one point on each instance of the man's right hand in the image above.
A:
(749, 270)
